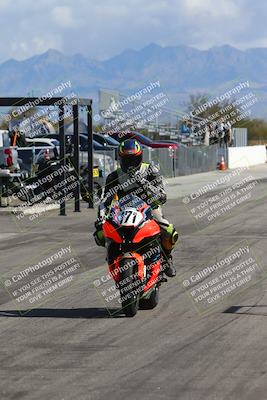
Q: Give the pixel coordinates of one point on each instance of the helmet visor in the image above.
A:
(130, 162)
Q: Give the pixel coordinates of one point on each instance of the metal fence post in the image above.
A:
(62, 152)
(90, 155)
(76, 155)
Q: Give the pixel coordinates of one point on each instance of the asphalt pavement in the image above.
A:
(72, 344)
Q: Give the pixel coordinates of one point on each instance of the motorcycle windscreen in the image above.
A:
(131, 201)
(129, 211)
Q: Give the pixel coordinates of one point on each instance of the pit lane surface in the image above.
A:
(70, 348)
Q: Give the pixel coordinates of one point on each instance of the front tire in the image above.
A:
(130, 309)
(129, 299)
(151, 302)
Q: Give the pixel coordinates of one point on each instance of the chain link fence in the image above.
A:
(172, 162)
(183, 161)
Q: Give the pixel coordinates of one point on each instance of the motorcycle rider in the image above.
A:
(144, 179)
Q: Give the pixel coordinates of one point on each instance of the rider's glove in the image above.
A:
(99, 233)
(98, 223)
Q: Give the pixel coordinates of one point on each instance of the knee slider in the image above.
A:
(169, 237)
(173, 234)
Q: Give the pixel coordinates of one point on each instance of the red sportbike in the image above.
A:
(135, 239)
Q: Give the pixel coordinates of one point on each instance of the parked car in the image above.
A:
(43, 142)
(120, 136)
(96, 145)
(101, 158)
(167, 141)
(47, 159)
(84, 142)
(106, 140)
(27, 155)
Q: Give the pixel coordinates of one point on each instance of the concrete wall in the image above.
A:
(246, 156)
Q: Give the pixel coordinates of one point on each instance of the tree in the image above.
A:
(257, 129)
(4, 124)
(201, 108)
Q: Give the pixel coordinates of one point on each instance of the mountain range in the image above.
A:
(181, 70)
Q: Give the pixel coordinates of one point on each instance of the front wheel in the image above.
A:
(152, 301)
(128, 289)
(130, 308)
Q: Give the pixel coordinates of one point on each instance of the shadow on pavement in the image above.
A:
(63, 313)
(249, 310)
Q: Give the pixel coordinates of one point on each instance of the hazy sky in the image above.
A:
(103, 28)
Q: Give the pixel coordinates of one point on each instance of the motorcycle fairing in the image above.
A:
(154, 276)
(111, 232)
(115, 268)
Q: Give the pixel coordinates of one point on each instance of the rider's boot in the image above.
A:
(167, 246)
(170, 269)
